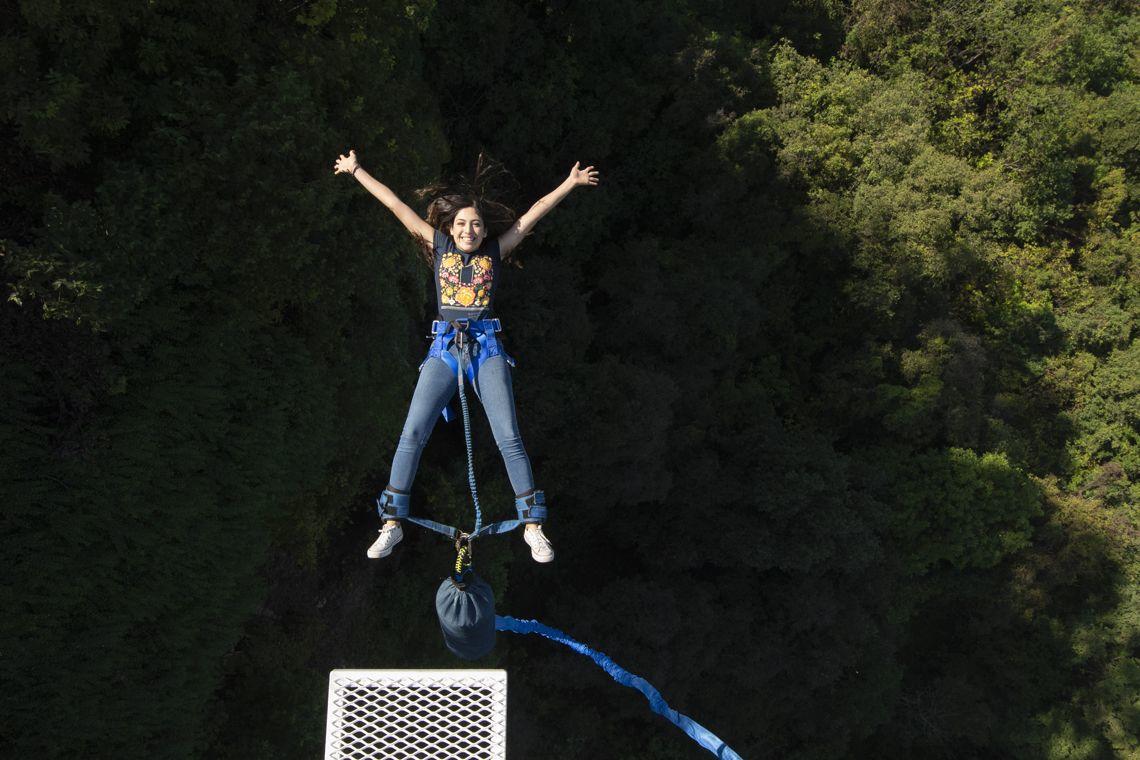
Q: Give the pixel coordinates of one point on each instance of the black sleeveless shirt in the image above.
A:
(465, 282)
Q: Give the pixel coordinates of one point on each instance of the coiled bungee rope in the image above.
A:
(461, 342)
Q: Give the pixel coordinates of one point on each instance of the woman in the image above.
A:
(466, 266)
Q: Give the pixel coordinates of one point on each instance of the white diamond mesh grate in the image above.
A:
(420, 714)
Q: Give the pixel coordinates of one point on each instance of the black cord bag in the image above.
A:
(466, 610)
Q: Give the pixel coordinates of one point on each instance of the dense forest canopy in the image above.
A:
(832, 384)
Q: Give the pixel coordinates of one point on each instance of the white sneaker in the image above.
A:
(540, 548)
(390, 535)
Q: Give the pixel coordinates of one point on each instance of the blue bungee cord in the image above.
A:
(698, 733)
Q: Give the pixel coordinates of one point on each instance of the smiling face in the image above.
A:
(467, 230)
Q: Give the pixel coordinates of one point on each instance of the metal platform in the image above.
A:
(420, 714)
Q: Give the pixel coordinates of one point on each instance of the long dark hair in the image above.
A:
(470, 191)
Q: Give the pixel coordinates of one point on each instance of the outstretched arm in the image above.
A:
(403, 211)
(525, 223)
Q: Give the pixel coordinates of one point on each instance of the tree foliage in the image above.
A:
(831, 383)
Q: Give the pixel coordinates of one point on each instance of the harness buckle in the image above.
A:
(461, 335)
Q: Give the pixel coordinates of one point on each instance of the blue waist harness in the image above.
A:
(475, 339)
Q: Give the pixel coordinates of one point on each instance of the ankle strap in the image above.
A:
(532, 507)
(392, 505)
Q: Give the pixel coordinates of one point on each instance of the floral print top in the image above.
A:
(465, 282)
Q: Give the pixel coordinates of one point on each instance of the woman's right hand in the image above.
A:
(346, 163)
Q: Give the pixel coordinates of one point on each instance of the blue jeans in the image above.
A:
(436, 386)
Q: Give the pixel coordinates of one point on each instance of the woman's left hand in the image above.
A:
(587, 176)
